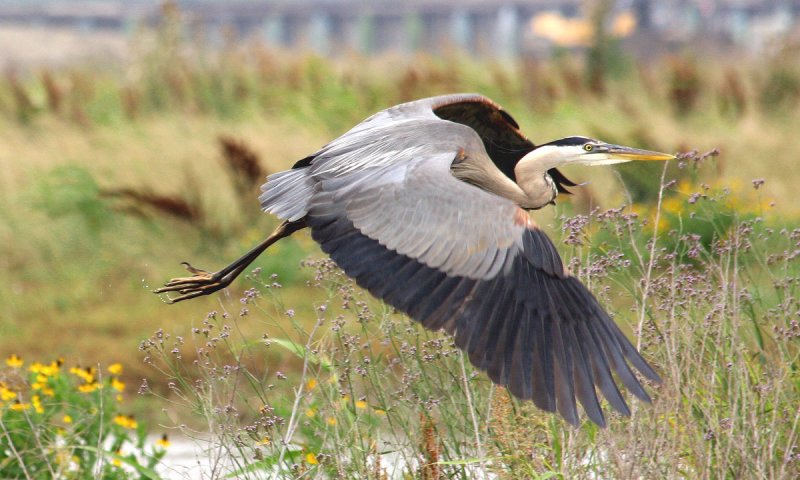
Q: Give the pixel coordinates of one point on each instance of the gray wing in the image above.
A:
(531, 328)
(418, 209)
(372, 143)
(400, 191)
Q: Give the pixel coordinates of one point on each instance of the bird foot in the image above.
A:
(200, 283)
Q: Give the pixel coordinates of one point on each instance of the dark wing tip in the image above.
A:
(459, 107)
(508, 118)
(302, 163)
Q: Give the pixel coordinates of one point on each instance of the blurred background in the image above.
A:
(57, 31)
(135, 134)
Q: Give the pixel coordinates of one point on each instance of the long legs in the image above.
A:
(204, 283)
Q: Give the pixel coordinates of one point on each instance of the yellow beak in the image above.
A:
(628, 153)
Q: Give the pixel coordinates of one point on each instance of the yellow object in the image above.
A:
(14, 361)
(126, 421)
(578, 31)
(163, 442)
(117, 385)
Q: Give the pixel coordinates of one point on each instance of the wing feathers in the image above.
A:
(541, 252)
(540, 333)
(584, 381)
(287, 194)
(564, 383)
(522, 366)
(414, 206)
(602, 373)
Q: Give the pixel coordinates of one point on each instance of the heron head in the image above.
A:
(588, 151)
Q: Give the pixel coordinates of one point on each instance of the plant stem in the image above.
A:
(468, 393)
(14, 450)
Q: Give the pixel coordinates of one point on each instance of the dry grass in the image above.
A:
(94, 287)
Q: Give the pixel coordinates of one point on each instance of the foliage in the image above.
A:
(59, 423)
(71, 190)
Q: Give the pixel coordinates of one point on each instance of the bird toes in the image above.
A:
(201, 283)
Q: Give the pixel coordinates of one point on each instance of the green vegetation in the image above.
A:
(111, 177)
(59, 424)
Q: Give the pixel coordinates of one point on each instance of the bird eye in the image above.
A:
(588, 147)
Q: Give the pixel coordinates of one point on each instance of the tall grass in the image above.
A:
(370, 394)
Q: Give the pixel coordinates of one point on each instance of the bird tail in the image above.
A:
(286, 194)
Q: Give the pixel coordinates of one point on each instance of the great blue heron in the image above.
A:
(425, 205)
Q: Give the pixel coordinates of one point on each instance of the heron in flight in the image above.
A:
(425, 204)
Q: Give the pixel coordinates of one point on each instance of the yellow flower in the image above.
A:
(265, 441)
(378, 411)
(6, 394)
(115, 368)
(126, 421)
(311, 383)
(87, 374)
(47, 391)
(37, 404)
(361, 404)
(89, 387)
(331, 421)
(66, 419)
(42, 383)
(14, 361)
(163, 442)
(310, 412)
(45, 370)
(311, 458)
(672, 205)
(117, 385)
(20, 407)
(663, 224)
(685, 187)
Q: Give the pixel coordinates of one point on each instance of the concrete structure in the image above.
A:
(493, 28)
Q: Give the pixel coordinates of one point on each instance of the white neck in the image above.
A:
(532, 177)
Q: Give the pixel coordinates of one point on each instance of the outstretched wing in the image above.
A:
(453, 256)
(541, 334)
